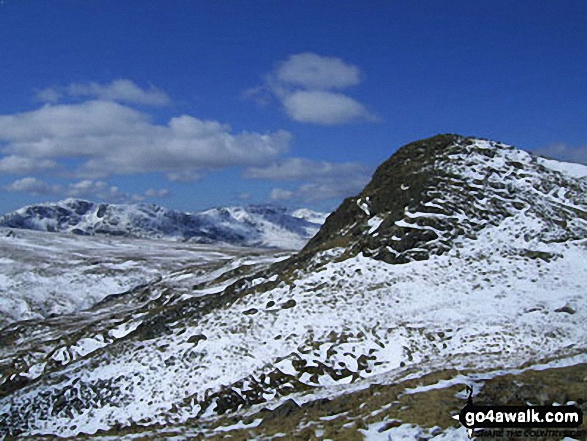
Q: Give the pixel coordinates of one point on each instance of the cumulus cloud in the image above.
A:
(157, 193)
(111, 138)
(279, 194)
(91, 189)
(49, 95)
(24, 165)
(325, 108)
(320, 191)
(564, 152)
(184, 176)
(86, 188)
(244, 196)
(297, 169)
(33, 186)
(307, 85)
(90, 140)
(122, 90)
(313, 71)
(324, 180)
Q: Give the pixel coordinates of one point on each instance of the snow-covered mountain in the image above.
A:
(462, 263)
(255, 225)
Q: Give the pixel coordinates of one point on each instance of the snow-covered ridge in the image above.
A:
(254, 225)
(430, 193)
(567, 168)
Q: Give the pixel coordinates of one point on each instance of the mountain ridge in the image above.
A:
(417, 174)
(254, 225)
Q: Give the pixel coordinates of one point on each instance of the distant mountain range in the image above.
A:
(255, 225)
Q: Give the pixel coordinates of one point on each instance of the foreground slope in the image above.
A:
(461, 262)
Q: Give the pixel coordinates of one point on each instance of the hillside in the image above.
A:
(44, 275)
(462, 263)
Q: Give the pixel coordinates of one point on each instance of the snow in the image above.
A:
(43, 274)
(364, 205)
(35, 371)
(374, 223)
(569, 168)
(310, 215)
(86, 346)
(267, 226)
(239, 425)
(409, 432)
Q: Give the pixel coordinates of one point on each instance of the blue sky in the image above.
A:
(194, 104)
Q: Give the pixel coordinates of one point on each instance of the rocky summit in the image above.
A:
(461, 264)
(431, 192)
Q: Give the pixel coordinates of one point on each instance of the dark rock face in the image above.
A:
(402, 182)
(410, 169)
(432, 191)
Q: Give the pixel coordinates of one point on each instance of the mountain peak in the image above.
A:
(432, 191)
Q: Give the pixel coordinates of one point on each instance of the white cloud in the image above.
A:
(261, 94)
(95, 190)
(33, 186)
(124, 91)
(325, 108)
(317, 191)
(184, 176)
(87, 188)
(25, 165)
(334, 187)
(48, 95)
(111, 138)
(320, 191)
(564, 152)
(294, 169)
(312, 71)
(69, 129)
(305, 85)
(279, 194)
(120, 90)
(157, 193)
(324, 180)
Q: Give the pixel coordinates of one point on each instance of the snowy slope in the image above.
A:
(244, 226)
(462, 255)
(44, 274)
(311, 216)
